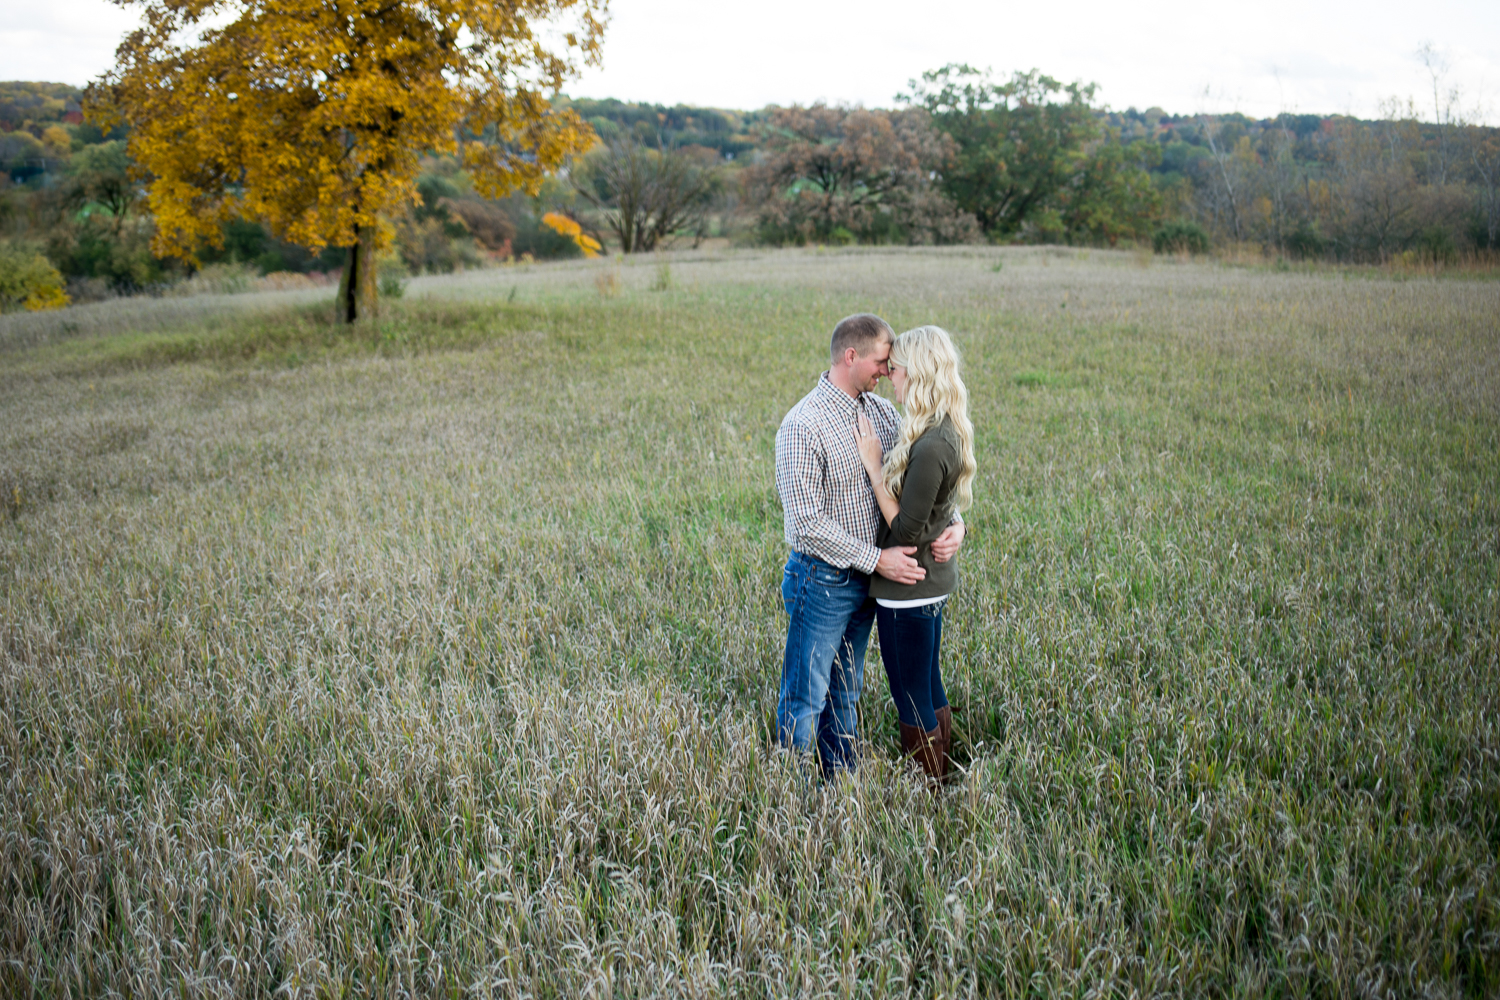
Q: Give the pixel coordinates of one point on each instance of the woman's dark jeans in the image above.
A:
(910, 640)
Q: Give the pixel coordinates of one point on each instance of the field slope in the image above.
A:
(438, 659)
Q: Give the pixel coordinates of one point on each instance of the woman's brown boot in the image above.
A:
(924, 746)
(945, 737)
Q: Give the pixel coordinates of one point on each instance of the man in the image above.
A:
(831, 518)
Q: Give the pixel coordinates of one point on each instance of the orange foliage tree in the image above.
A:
(559, 223)
(311, 116)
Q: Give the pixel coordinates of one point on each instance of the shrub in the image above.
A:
(28, 281)
(217, 279)
(392, 275)
(429, 245)
(92, 248)
(531, 237)
(1305, 241)
(249, 242)
(1180, 236)
(1436, 244)
(841, 237)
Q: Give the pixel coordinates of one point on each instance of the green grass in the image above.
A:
(439, 658)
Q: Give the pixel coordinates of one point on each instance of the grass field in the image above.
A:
(438, 659)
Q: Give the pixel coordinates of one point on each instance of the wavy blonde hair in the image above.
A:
(934, 390)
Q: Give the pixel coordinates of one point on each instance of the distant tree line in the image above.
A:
(1309, 186)
(964, 157)
(1030, 159)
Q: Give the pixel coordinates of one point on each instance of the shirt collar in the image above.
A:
(838, 398)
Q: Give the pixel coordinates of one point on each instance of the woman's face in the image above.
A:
(898, 381)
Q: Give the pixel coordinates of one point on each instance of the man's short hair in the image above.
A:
(862, 331)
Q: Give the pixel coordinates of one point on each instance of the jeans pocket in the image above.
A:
(789, 588)
(830, 577)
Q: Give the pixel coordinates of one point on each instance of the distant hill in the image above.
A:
(728, 131)
(24, 103)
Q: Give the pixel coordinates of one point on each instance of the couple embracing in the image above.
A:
(872, 504)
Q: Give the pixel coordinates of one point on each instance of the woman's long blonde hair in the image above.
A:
(933, 391)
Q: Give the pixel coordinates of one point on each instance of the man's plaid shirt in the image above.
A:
(831, 513)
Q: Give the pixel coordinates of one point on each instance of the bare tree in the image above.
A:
(101, 174)
(1484, 153)
(645, 195)
(1376, 194)
(1281, 178)
(1222, 156)
(1438, 65)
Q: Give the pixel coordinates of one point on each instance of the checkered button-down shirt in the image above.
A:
(831, 513)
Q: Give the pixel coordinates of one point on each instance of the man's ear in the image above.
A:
(850, 355)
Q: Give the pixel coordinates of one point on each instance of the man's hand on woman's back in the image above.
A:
(896, 563)
(945, 546)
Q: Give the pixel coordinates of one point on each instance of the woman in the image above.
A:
(927, 478)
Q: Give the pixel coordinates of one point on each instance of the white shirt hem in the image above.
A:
(917, 603)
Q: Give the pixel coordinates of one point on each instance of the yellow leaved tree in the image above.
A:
(311, 116)
(559, 223)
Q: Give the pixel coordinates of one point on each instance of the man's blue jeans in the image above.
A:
(823, 671)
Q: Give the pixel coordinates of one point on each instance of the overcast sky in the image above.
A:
(1309, 56)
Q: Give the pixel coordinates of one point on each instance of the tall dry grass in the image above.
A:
(439, 659)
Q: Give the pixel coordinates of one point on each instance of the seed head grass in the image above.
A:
(439, 657)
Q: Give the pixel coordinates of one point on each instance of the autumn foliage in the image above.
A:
(311, 116)
(28, 281)
(559, 223)
(837, 173)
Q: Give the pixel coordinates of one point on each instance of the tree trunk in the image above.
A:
(357, 287)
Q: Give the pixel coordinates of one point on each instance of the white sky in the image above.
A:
(1311, 56)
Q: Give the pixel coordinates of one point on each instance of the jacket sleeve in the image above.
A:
(800, 473)
(926, 470)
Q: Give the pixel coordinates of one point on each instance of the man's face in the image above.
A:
(869, 369)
